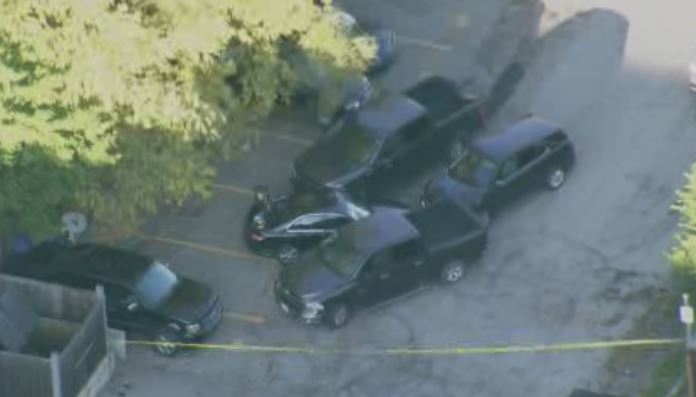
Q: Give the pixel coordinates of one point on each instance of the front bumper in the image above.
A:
(208, 324)
(295, 307)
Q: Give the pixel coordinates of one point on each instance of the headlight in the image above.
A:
(352, 105)
(312, 310)
(193, 329)
(259, 222)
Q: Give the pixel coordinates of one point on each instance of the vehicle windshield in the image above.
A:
(340, 255)
(473, 169)
(155, 285)
(354, 143)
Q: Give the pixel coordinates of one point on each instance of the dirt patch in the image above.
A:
(630, 371)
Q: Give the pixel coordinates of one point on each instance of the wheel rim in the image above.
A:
(340, 316)
(556, 178)
(454, 273)
(165, 346)
(287, 254)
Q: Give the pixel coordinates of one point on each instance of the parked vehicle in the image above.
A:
(389, 137)
(378, 258)
(142, 294)
(287, 225)
(497, 169)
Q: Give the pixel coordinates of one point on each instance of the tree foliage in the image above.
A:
(111, 106)
(683, 255)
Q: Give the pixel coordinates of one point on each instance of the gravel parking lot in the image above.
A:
(574, 265)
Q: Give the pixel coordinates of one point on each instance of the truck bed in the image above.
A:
(445, 225)
(440, 96)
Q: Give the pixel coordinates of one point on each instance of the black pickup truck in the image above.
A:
(378, 258)
(389, 136)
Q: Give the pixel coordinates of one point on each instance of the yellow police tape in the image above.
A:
(415, 351)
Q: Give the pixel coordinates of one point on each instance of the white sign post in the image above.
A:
(686, 315)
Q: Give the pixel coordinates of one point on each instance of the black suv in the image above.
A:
(142, 294)
(286, 225)
(378, 258)
(496, 169)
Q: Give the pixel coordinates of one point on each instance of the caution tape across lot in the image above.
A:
(418, 351)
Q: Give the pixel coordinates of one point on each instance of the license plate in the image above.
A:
(285, 307)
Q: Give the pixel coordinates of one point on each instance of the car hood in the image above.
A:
(324, 164)
(310, 280)
(443, 186)
(189, 302)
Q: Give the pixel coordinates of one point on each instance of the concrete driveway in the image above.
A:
(574, 265)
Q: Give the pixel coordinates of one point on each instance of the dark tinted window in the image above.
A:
(473, 169)
(382, 262)
(333, 223)
(414, 130)
(530, 154)
(116, 294)
(353, 143)
(305, 222)
(74, 280)
(556, 139)
(406, 251)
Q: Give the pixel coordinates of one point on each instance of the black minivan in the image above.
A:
(142, 294)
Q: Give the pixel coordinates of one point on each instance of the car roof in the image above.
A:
(310, 202)
(380, 230)
(49, 259)
(108, 263)
(517, 136)
(386, 115)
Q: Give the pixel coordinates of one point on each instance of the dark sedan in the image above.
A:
(497, 169)
(286, 225)
(142, 294)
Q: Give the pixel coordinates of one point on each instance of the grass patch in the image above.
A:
(665, 374)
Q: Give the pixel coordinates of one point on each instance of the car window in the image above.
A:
(509, 167)
(556, 139)
(74, 280)
(473, 168)
(116, 294)
(306, 222)
(333, 222)
(530, 154)
(414, 130)
(383, 262)
(406, 251)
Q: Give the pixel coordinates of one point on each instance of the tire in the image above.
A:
(452, 272)
(338, 316)
(287, 254)
(166, 343)
(555, 178)
(456, 151)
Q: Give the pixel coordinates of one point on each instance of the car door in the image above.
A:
(410, 264)
(123, 309)
(417, 140)
(379, 279)
(516, 176)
